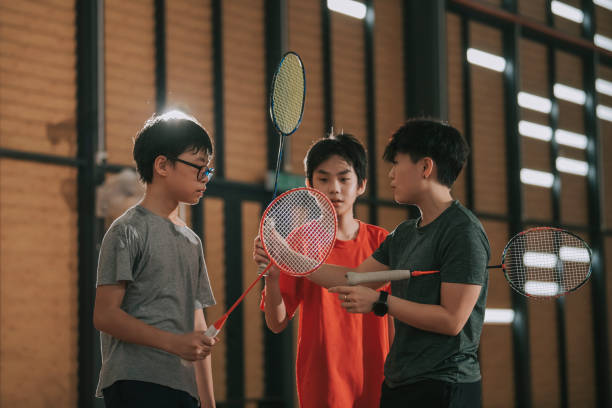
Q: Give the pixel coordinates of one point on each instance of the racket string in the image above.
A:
(546, 262)
(288, 94)
(299, 231)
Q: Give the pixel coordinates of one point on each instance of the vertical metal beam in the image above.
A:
(328, 94)
(234, 328)
(218, 76)
(371, 109)
(425, 39)
(279, 371)
(87, 27)
(556, 211)
(425, 60)
(467, 110)
(556, 220)
(276, 45)
(160, 55)
(520, 327)
(598, 280)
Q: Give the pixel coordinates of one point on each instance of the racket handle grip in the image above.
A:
(212, 331)
(260, 268)
(356, 278)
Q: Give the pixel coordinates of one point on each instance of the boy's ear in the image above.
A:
(160, 165)
(428, 165)
(307, 182)
(362, 187)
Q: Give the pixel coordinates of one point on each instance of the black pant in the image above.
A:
(136, 394)
(432, 394)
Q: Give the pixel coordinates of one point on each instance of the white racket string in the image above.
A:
(298, 230)
(546, 262)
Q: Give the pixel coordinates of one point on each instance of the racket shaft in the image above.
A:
(216, 328)
(356, 278)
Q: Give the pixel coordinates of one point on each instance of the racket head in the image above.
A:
(303, 220)
(546, 262)
(288, 94)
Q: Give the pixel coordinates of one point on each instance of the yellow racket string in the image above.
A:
(288, 94)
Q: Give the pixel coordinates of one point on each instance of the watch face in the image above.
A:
(380, 308)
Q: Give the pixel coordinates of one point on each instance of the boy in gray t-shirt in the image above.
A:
(438, 318)
(152, 278)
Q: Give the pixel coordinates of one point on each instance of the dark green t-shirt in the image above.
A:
(455, 244)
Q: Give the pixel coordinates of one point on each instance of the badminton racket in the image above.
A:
(287, 96)
(298, 231)
(542, 262)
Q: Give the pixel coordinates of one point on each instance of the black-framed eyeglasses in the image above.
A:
(203, 171)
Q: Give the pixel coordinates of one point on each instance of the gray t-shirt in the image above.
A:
(456, 245)
(163, 266)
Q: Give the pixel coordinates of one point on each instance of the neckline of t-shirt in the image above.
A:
(441, 216)
(159, 216)
(342, 242)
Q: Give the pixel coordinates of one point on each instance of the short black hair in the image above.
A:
(169, 134)
(431, 138)
(343, 145)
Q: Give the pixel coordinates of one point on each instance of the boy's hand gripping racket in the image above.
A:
(298, 231)
(541, 262)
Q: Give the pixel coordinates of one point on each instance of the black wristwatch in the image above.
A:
(380, 307)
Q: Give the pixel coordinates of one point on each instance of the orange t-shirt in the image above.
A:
(340, 356)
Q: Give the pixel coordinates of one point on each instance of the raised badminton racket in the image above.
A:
(287, 96)
(542, 262)
(298, 231)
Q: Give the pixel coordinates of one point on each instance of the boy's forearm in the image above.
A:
(433, 318)
(122, 326)
(204, 380)
(329, 275)
(274, 306)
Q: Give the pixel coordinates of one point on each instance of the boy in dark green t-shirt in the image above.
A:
(438, 318)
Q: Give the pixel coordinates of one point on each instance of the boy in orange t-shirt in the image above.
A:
(340, 356)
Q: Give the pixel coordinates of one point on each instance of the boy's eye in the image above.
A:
(344, 179)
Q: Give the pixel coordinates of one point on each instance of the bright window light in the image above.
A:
(604, 112)
(573, 254)
(567, 11)
(498, 316)
(607, 4)
(349, 7)
(603, 42)
(567, 93)
(539, 260)
(541, 288)
(535, 130)
(571, 139)
(486, 60)
(571, 166)
(537, 178)
(603, 86)
(534, 102)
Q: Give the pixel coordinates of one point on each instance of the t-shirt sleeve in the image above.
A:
(119, 252)
(204, 295)
(382, 254)
(464, 256)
